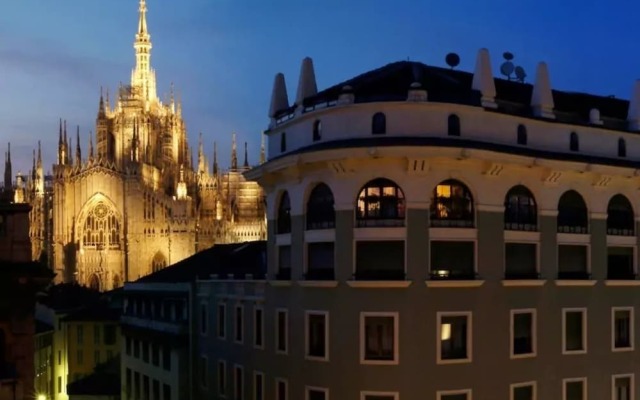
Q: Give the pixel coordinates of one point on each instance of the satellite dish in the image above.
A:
(507, 56)
(506, 69)
(520, 74)
(452, 60)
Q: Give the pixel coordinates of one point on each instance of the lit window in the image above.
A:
(380, 203)
(101, 228)
(452, 205)
(454, 338)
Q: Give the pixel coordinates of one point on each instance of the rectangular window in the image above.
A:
(222, 378)
(622, 387)
(80, 357)
(128, 383)
(110, 334)
(313, 393)
(573, 261)
(136, 385)
(574, 389)
(156, 389)
(136, 348)
(258, 327)
(222, 319)
(128, 345)
(239, 324)
(59, 357)
(378, 396)
(317, 335)
(204, 371)
(453, 260)
(282, 389)
(238, 382)
(523, 391)
(166, 358)
(378, 338)
(80, 334)
(59, 384)
(155, 354)
(96, 356)
(523, 333)
(620, 262)
(145, 351)
(454, 337)
(622, 328)
(166, 392)
(204, 317)
(380, 260)
(146, 387)
(320, 260)
(454, 395)
(574, 327)
(258, 385)
(284, 263)
(521, 261)
(282, 331)
(96, 334)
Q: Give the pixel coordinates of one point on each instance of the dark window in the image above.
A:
(166, 358)
(128, 383)
(156, 389)
(203, 372)
(283, 142)
(239, 326)
(316, 339)
(622, 148)
(622, 329)
(572, 262)
(258, 327)
(284, 214)
(380, 203)
(381, 260)
(109, 335)
(620, 263)
(622, 388)
(574, 390)
(453, 125)
(238, 383)
(320, 260)
(314, 394)
(574, 334)
(96, 334)
(452, 205)
(379, 338)
(523, 325)
(222, 378)
(80, 334)
(457, 396)
(204, 317)
(454, 336)
(281, 389)
(521, 261)
(523, 393)
(320, 211)
(520, 211)
(317, 130)
(522, 135)
(128, 345)
(452, 260)
(221, 321)
(572, 213)
(574, 142)
(620, 217)
(136, 385)
(378, 124)
(281, 331)
(258, 389)
(166, 389)
(155, 354)
(284, 263)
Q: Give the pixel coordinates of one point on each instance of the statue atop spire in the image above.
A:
(215, 158)
(234, 153)
(246, 156)
(143, 77)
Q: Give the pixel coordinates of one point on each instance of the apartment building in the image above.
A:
(437, 234)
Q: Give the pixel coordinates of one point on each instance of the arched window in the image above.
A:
(572, 213)
(116, 281)
(453, 125)
(101, 228)
(520, 211)
(378, 124)
(158, 262)
(622, 148)
(94, 282)
(522, 135)
(320, 212)
(574, 143)
(317, 130)
(380, 203)
(620, 217)
(452, 205)
(283, 142)
(284, 215)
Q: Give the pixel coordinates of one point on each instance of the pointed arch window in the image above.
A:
(453, 125)
(622, 148)
(620, 217)
(158, 262)
(520, 211)
(572, 213)
(452, 205)
(101, 228)
(522, 135)
(574, 142)
(379, 124)
(320, 208)
(380, 203)
(283, 142)
(317, 130)
(284, 215)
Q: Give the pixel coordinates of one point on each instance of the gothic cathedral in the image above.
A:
(136, 202)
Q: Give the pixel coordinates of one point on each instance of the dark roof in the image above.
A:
(42, 327)
(392, 81)
(101, 311)
(104, 381)
(69, 296)
(238, 259)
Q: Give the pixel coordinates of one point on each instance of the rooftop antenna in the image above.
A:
(452, 60)
(507, 68)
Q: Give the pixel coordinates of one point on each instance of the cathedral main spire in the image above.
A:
(143, 77)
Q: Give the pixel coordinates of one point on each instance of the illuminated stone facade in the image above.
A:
(137, 202)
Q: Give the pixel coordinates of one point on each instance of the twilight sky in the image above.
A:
(222, 54)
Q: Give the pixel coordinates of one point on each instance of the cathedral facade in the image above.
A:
(136, 201)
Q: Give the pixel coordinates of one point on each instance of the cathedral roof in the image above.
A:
(238, 259)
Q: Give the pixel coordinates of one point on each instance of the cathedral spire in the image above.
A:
(101, 110)
(7, 169)
(215, 158)
(263, 157)
(78, 160)
(201, 160)
(61, 155)
(33, 168)
(234, 153)
(66, 155)
(39, 160)
(246, 156)
(90, 146)
(143, 77)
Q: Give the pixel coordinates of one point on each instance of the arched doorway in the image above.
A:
(94, 282)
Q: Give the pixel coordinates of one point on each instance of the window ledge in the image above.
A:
(622, 349)
(575, 282)
(378, 362)
(523, 282)
(379, 284)
(314, 358)
(318, 284)
(622, 282)
(454, 283)
(454, 361)
(280, 283)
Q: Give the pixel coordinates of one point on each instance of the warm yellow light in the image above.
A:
(41, 397)
(445, 332)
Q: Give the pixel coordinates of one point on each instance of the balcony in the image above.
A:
(320, 274)
(574, 275)
(446, 278)
(379, 278)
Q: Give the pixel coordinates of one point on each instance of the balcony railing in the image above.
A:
(520, 226)
(452, 275)
(576, 229)
(515, 275)
(320, 274)
(379, 275)
(574, 275)
(613, 274)
(620, 231)
(452, 223)
(283, 274)
(380, 222)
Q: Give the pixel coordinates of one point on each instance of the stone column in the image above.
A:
(490, 242)
(417, 241)
(598, 231)
(344, 246)
(548, 227)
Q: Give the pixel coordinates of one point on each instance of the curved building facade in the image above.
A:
(439, 234)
